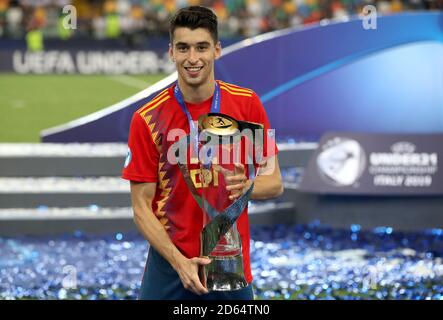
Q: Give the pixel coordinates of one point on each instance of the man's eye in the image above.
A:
(202, 48)
(182, 49)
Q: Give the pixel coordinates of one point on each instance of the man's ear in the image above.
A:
(171, 53)
(218, 50)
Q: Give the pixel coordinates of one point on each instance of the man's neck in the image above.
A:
(196, 94)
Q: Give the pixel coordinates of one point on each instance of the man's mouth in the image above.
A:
(193, 70)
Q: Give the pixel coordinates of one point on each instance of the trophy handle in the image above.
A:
(201, 268)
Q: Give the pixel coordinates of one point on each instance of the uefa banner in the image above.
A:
(376, 164)
(85, 62)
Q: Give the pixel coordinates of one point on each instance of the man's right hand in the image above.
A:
(151, 228)
(187, 270)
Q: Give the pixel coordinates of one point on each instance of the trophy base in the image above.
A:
(225, 273)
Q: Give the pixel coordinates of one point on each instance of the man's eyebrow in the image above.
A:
(201, 43)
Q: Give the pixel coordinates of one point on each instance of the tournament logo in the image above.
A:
(341, 161)
(220, 122)
(128, 158)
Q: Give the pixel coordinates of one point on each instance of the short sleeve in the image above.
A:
(142, 159)
(269, 145)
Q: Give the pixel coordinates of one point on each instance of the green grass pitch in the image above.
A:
(31, 103)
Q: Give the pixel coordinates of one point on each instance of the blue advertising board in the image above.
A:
(337, 76)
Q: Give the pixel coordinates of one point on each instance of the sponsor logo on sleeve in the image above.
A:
(128, 158)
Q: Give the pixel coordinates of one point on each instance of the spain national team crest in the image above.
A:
(128, 158)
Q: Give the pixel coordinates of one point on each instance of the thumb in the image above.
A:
(203, 260)
(224, 171)
(239, 169)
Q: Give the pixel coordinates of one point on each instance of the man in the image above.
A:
(164, 210)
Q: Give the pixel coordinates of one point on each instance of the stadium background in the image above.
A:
(307, 261)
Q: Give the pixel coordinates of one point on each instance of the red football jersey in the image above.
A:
(147, 161)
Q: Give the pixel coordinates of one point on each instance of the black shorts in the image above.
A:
(161, 282)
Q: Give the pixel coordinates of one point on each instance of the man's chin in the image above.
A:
(194, 82)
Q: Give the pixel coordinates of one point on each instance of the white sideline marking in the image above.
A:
(63, 185)
(130, 81)
(18, 104)
(95, 212)
(73, 150)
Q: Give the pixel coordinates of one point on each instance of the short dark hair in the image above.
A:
(194, 17)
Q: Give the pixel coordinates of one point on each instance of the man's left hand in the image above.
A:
(236, 181)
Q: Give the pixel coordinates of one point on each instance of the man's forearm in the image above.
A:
(266, 187)
(153, 231)
(268, 183)
(142, 195)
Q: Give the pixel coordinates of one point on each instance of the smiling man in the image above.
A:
(165, 211)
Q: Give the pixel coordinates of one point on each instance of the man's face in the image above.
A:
(194, 52)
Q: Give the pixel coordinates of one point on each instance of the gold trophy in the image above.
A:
(221, 137)
(221, 147)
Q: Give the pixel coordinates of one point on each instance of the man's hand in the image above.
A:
(267, 185)
(187, 270)
(236, 181)
(151, 228)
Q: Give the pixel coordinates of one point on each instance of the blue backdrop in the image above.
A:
(316, 79)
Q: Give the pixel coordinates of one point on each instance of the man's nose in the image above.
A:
(193, 56)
